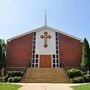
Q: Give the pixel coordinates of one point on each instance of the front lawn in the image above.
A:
(82, 87)
(4, 86)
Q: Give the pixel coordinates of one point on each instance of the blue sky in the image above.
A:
(70, 16)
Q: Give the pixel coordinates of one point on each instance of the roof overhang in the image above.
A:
(42, 28)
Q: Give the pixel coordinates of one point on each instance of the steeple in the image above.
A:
(45, 17)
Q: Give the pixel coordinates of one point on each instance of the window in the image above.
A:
(56, 47)
(35, 62)
(55, 61)
(34, 42)
(36, 55)
(33, 51)
(56, 51)
(55, 57)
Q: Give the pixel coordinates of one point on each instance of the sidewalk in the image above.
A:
(45, 86)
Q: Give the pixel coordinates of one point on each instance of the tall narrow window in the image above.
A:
(55, 57)
(35, 57)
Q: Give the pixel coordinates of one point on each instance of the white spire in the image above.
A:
(45, 17)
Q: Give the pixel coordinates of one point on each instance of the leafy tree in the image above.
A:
(85, 64)
(2, 53)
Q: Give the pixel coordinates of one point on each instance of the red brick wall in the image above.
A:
(70, 51)
(19, 51)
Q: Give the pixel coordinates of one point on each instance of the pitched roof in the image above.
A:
(42, 28)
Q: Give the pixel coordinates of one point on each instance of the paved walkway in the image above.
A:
(45, 86)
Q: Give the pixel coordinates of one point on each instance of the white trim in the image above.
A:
(41, 28)
(40, 49)
(51, 61)
(26, 33)
(39, 61)
(61, 31)
(59, 61)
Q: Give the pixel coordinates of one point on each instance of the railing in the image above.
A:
(24, 71)
(62, 64)
(28, 65)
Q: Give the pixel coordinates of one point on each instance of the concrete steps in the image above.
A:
(45, 75)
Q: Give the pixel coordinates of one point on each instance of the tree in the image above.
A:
(85, 64)
(2, 53)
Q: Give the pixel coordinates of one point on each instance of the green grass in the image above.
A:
(4, 86)
(82, 87)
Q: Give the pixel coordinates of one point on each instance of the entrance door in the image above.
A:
(45, 61)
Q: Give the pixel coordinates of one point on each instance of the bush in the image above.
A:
(12, 76)
(14, 79)
(87, 78)
(15, 73)
(0, 79)
(77, 80)
(74, 73)
(4, 79)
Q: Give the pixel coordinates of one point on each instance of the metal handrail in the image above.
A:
(26, 68)
(28, 65)
(65, 67)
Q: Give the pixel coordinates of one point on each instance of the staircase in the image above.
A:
(45, 75)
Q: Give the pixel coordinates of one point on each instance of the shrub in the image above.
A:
(4, 79)
(14, 79)
(0, 79)
(12, 76)
(15, 73)
(87, 78)
(74, 73)
(77, 80)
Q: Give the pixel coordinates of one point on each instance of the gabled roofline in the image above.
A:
(26, 33)
(42, 28)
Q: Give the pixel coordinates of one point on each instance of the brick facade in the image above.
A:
(19, 52)
(70, 51)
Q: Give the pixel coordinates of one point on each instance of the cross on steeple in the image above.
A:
(45, 37)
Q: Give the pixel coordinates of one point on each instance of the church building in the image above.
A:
(43, 54)
(44, 47)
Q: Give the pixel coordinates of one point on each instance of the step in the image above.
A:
(45, 75)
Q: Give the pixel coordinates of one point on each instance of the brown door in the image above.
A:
(45, 61)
